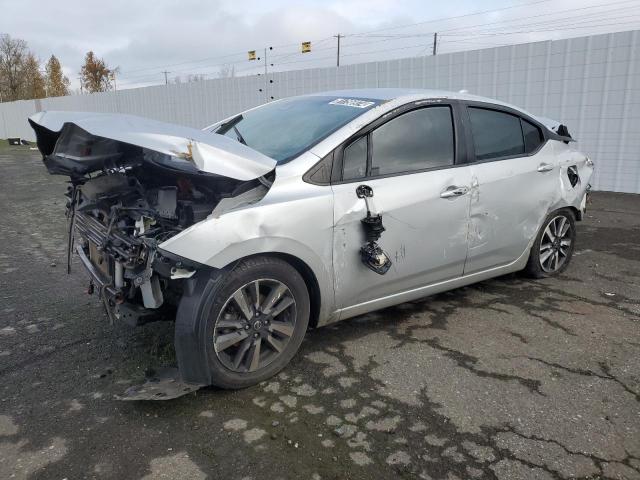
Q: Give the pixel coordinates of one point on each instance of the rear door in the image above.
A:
(514, 182)
(409, 161)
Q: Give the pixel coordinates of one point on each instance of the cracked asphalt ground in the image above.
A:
(510, 378)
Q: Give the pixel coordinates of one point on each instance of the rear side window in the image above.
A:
(495, 134)
(413, 141)
(354, 160)
(532, 136)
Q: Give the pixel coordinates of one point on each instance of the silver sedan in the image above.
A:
(309, 210)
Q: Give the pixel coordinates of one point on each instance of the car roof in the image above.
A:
(413, 94)
(385, 93)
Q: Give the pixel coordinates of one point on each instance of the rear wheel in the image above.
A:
(256, 322)
(553, 248)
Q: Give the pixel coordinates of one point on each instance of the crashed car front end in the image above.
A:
(117, 242)
(134, 183)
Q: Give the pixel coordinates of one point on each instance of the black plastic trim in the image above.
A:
(179, 261)
(464, 153)
(321, 172)
(190, 326)
(98, 277)
(546, 133)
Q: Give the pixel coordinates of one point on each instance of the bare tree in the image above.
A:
(95, 75)
(13, 53)
(195, 77)
(57, 83)
(227, 71)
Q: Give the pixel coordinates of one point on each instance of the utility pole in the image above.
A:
(166, 79)
(435, 43)
(266, 92)
(338, 36)
(266, 81)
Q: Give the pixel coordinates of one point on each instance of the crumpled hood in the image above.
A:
(209, 152)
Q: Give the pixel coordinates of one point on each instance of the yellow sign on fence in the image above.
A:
(306, 47)
(252, 54)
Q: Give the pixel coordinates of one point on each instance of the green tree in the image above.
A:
(33, 84)
(57, 84)
(95, 75)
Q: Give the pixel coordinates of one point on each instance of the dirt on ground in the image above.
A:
(511, 378)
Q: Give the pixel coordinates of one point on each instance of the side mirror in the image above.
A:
(364, 191)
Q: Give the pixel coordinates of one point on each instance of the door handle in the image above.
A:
(545, 167)
(453, 191)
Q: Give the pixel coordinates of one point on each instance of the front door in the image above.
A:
(423, 197)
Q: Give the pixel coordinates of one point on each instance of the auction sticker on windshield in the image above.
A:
(352, 102)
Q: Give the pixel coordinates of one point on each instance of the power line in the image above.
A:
(217, 57)
(541, 30)
(556, 26)
(451, 18)
(392, 36)
(570, 10)
(354, 34)
(505, 27)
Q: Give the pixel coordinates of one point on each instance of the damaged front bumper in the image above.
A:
(108, 282)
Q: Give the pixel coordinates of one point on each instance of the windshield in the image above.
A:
(284, 129)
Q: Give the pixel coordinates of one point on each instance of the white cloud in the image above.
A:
(144, 38)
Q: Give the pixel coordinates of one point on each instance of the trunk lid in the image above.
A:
(77, 143)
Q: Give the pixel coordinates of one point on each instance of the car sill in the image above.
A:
(421, 292)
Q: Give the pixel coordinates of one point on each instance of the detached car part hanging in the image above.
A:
(371, 254)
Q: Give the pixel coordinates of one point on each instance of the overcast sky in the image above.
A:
(144, 38)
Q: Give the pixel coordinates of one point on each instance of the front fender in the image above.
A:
(303, 230)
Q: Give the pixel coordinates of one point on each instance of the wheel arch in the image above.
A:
(562, 204)
(577, 213)
(191, 354)
(307, 274)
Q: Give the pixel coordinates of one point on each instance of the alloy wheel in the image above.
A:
(254, 325)
(555, 244)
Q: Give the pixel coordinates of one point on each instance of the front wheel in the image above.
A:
(256, 323)
(553, 248)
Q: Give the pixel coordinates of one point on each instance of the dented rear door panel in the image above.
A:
(509, 200)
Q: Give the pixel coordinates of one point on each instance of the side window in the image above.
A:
(495, 134)
(413, 141)
(354, 160)
(532, 136)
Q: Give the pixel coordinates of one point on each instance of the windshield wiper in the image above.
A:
(225, 127)
(239, 135)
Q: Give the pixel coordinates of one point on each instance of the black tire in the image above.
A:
(535, 267)
(244, 273)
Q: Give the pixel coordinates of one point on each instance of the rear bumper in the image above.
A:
(585, 200)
